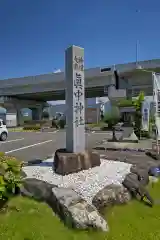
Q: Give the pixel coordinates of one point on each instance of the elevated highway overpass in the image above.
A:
(33, 92)
(51, 86)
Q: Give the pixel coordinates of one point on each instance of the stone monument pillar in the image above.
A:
(74, 158)
(75, 99)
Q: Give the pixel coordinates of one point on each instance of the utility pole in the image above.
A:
(137, 44)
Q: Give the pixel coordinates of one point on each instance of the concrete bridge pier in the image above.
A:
(14, 109)
(36, 113)
(20, 120)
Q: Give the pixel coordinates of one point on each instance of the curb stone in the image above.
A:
(122, 149)
(152, 155)
(33, 162)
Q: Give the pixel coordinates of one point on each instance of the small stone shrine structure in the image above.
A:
(128, 135)
(74, 158)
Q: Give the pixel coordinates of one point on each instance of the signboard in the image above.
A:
(145, 115)
(92, 115)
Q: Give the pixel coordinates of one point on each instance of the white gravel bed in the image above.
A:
(88, 182)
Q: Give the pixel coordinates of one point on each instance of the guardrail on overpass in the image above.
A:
(89, 73)
(54, 82)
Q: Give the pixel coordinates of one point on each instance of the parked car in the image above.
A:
(3, 131)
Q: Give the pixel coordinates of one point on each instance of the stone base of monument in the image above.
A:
(127, 136)
(66, 162)
(132, 138)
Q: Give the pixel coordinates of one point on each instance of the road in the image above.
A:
(28, 146)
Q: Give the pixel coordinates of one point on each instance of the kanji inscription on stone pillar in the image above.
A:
(75, 99)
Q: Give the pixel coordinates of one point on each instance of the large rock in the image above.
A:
(76, 212)
(71, 208)
(136, 188)
(37, 189)
(111, 195)
(66, 163)
(132, 183)
(142, 174)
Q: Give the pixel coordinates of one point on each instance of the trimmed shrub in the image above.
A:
(10, 176)
(61, 123)
(125, 103)
(112, 117)
(145, 134)
(35, 122)
(2, 154)
(54, 123)
(32, 127)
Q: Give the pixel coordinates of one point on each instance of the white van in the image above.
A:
(3, 131)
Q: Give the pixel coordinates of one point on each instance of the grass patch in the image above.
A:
(100, 124)
(21, 130)
(35, 221)
(16, 129)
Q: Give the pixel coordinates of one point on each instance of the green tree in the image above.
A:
(138, 115)
(112, 118)
(125, 103)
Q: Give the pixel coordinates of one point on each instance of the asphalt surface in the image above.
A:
(138, 159)
(28, 146)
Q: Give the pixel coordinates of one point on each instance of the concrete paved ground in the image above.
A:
(143, 144)
(138, 159)
(30, 145)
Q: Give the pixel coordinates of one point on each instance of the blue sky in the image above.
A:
(34, 34)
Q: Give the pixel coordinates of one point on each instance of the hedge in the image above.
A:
(32, 127)
(10, 177)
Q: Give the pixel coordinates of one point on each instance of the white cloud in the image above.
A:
(57, 71)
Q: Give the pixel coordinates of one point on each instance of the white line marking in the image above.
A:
(42, 132)
(29, 146)
(107, 133)
(88, 134)
(14, 140)
(52, 132)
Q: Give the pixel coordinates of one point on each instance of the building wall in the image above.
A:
(92, 115)
(90, 102)
(92, 110)
(11, 119)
